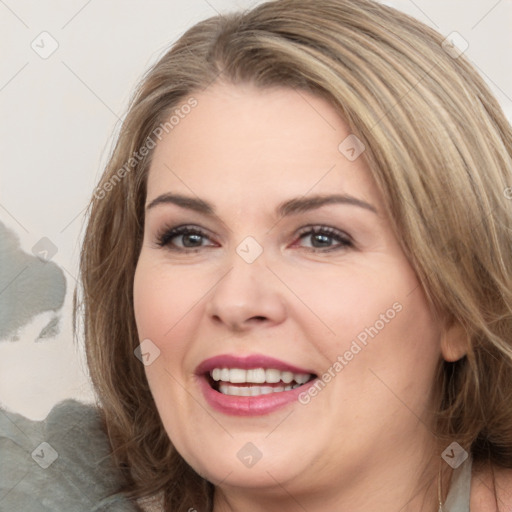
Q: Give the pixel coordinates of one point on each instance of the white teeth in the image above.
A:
(300, 378)
(226, 389)
(244, 391)
(254, 390)
(287, 377)
(272, 376)
(259, 376)
(237, 376)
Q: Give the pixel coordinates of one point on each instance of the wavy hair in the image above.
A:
(440, 151)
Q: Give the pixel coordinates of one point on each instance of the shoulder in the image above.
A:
(61, 463)
(491, 489)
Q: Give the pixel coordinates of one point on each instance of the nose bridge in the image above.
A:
(248, 290)
(243, 283)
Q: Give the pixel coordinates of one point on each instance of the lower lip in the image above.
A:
(250, 405)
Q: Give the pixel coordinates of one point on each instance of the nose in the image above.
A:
(249, 295)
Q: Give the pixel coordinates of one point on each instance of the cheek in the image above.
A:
(164, 301)
(163, 316)
(378, 325)
(168, 306)
(158, 311)
(357, 301)
(401, 355)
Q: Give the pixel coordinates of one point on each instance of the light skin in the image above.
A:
(365, 441)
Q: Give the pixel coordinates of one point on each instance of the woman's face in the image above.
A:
(289, 344)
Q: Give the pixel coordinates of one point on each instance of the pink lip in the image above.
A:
(246, 363)
(248, 405)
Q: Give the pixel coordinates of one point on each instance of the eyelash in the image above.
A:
(164, 238)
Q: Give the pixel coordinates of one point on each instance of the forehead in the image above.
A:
(241, 142)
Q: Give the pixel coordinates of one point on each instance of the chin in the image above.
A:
(242, 462)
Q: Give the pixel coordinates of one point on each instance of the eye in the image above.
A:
(324, 239)
(191, 239)
(183, 238)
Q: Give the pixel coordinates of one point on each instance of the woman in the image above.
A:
(297, 270)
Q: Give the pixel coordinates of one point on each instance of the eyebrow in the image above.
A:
(290, 207)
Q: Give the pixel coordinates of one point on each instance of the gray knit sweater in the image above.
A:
(61, 464)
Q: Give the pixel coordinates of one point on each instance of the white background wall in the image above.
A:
(58, 116)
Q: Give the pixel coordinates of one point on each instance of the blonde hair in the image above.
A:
(440, 151)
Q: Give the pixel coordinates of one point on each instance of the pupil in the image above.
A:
(194, 239)
(323, 239)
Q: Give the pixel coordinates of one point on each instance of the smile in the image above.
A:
(251, 385)
(240, 382)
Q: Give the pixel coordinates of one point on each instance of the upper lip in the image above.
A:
(247, 362)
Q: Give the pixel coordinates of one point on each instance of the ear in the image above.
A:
(454, 342)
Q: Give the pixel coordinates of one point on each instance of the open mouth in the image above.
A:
(255, 381)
